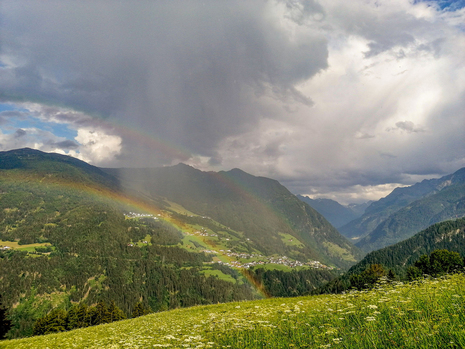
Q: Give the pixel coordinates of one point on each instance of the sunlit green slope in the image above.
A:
(426, 314)
(64, 237)
(68, 234)
(270, 218)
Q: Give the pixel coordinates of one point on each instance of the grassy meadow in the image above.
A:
(424, 314)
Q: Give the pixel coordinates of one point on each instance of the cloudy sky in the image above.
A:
(334, 98)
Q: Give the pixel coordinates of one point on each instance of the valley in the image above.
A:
(178, 237)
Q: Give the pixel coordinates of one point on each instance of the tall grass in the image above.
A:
(425, 314)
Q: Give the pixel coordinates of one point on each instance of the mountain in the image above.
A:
(67, 234)
(449, 235)
(55, 167)
(336, 214)
(359, 209)
(272, 219)
(70, 232)
(408, 210)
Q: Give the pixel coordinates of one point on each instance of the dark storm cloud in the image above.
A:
(67, 144)
(192, 72)
(304, 11)
(224, 84)
(12, 114)
(20, 133)
(407, 126)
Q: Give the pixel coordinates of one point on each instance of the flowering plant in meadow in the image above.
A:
(428, 313)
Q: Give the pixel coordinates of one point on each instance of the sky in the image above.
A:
(338, 99)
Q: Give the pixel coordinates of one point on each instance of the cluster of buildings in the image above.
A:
(4, 248)
(268, 260)
(200, 233)
(281, 260)
(139, 215)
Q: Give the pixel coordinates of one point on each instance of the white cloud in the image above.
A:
(97, 147)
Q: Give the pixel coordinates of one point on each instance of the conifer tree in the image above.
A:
(91, 316)
(5, 323)
(81, 316)
(140, 310)
(116, 313)
(72, 318)
(55, 321)
(103, 315)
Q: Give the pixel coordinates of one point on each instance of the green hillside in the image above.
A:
(448, 235)
(425, 314)
(259, 208)
(54, 167)
(68, 235)
(64, 238)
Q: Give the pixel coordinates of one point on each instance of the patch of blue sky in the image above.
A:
(60, 130)
(7, 107)
(28, 121)
(446, 5)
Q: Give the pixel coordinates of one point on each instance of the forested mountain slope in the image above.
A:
(448, 235)
(408, 210)
(446, 204)
(69, 234)
(64, 238)
(268, 215)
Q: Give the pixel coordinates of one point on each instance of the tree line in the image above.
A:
(80, 315)
(438, 263)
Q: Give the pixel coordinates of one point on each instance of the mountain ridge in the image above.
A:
(381, 216)
(259, 207)
(338, 215)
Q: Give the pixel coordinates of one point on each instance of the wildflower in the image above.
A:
(372, 306)
(370, 318)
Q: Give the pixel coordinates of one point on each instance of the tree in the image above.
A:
(5, 323)
(439, 262)
(103, 315)
(140, 310)
(423, 264)
(444, 261)
(76, 317)
(368, 277)
(116, 313)
(413, 273)
(81, 316)
(55, 321)
(91, 316)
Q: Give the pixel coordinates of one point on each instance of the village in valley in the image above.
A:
(234, 257)
(257, 259)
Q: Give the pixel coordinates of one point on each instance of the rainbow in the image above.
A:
(99, 192)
